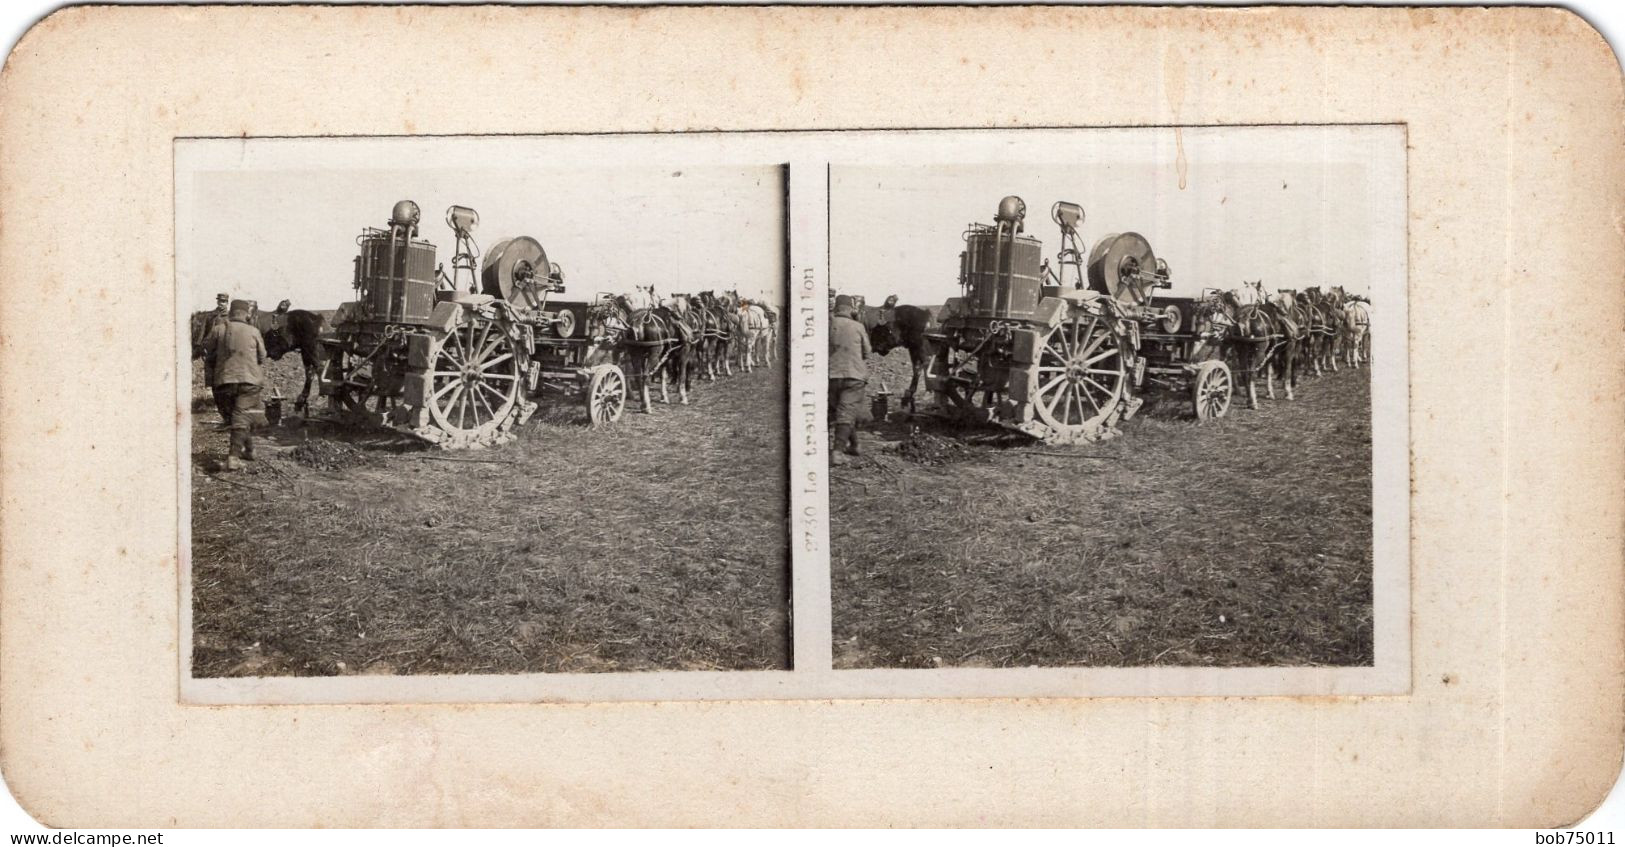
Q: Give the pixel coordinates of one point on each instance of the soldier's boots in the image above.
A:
(233, 463)
(846, 439)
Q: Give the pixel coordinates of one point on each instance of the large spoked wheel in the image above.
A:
(1081, 377)
(1211, 390)
(477, 379)
(606, 395)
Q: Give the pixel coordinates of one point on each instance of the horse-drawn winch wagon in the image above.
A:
(456, 366)
(1059, 352)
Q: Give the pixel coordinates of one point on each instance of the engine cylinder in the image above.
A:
(395, 276)
(1002, 273)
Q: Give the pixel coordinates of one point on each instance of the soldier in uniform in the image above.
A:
(888, 309)
(848, 374)
(238, 353)
(222, 303)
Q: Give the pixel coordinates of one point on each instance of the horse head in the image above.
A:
(883, 337)
(276, 342)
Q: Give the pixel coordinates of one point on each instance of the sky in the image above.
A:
(274, 233)
(1293, 208)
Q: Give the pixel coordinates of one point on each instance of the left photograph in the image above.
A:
(509, 417)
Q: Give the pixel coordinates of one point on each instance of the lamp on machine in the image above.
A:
(1066, 215)
(462, 220)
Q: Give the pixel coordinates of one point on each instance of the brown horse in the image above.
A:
(288, 330)
(653, 346)
(1252, 334)
(721, 331)
(1292, 325)
(905, 327)
(1321, 333)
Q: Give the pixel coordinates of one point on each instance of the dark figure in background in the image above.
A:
(238, 354)
(214, 319)
(848, 374)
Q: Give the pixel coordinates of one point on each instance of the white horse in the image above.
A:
(754, 326)
(1357, 333)
(770, 337)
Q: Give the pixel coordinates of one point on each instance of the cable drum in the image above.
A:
(516, 269)
(1115, 264)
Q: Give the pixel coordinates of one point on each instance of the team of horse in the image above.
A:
(1265, 335)
(1286, 332)
(668, 339)
(656, 338)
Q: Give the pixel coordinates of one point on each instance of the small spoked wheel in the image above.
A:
(477, 379)
(966, 398)
(348, 399)
(606, 394)
(1082, 376)
(1211, 390)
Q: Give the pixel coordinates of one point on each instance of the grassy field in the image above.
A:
(657, 543)
(1242, 541)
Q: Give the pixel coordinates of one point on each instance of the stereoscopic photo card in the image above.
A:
(811, 416)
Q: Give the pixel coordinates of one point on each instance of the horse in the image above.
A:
(770, 337)
(645, 332)
(198, 325)
(721, 326)
(1253, 334)
(1320, 331)
(753, 329)
(697, 322)
(1293, 326)
(904, 327)
(287, 330)
(738, 345)
(1357, 332)
(691, 320)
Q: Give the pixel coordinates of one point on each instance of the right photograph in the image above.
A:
(1114, 411)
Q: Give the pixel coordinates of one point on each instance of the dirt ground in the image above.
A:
(659, 543)
(1241, 541)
